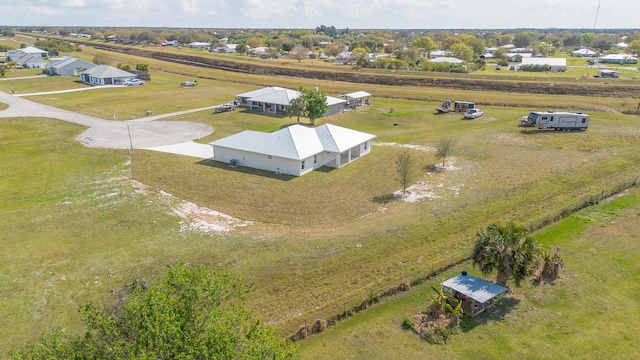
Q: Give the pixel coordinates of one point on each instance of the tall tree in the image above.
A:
(508, 249)
(444, 148)
(425, 44)
(196, 313)
(315, 103)
(404, 170)
(299, 53)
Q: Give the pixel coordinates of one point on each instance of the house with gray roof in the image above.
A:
(294, 150)
(105, 75)
(275, 100)
(69, 66)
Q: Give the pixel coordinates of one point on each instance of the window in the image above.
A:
(315, 159)
(584, 120)
(269, 157)
(365, 145)
(302, 165)
(552, 118)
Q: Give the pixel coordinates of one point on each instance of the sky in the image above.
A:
(308, 14)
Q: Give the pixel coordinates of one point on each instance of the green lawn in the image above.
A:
(591, 312)
(74, 227)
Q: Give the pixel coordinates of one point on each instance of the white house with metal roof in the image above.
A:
(105, 75)
(552, 64)
(275, 100)
(476, 294)
(294, 150)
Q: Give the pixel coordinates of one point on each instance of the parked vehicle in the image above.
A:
(498, 67)
(473, 113)
(458, 106)
(224, 108)
(189, 83)
(556, 120)
(134, 82)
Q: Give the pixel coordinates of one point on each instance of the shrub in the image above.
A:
(407, 323)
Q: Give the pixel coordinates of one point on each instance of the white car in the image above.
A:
(473, 114)
(134, 82)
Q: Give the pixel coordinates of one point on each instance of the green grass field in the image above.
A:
(74, 227)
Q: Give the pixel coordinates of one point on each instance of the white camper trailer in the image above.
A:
(557, 120)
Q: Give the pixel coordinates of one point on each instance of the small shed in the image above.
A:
(357, 99)
(476, 294)
(607, 74)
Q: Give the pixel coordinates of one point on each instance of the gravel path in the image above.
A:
(111, 134)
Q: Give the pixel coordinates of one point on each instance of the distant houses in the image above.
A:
(29, 57)
(550, 64)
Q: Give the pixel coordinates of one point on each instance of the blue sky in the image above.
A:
(307, 14)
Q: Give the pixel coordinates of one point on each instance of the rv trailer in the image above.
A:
(556, 120)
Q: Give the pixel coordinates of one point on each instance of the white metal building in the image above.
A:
(294, 150)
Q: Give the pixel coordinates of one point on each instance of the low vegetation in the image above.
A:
(74, 227)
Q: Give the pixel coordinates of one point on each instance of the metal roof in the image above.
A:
(475, 288)
(357, 94)
(278, 96)
(338, 139)
(106, 71)
(295, 142)
(545, 61)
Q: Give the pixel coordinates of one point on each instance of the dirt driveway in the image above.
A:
(111, 134)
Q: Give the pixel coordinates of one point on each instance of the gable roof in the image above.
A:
(65, 61)
(338, 139)
(357, 95)
(545, 61)
(295, 142)
(279, 96)
(475, 288)
(448, 59)
(106, 71)
(34, 50)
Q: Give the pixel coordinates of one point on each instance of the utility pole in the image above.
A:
(130, 151)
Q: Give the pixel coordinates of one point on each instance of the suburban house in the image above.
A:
(622, 45)
(198, 45)
(275, 100)
(552, 64)
(517, 57)
(618, 59)
(345, 56)
(294, 150)
(583, 53)
(476, 294)
(446, 59)
(437, 54)
(29, 57)
(357, 99)
(31, 50)
(68, 66)
(105, 75)
(229, 48)
(258, 51)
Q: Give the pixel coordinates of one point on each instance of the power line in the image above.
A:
(597, 11)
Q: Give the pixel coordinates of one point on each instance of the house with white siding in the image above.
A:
(275, 100)
(294, 150)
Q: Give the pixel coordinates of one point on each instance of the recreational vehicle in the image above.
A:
(556, 120)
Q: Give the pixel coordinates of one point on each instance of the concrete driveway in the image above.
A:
(167, 136)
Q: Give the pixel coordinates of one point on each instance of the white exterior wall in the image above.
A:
(261, 161)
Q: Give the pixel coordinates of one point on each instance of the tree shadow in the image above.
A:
(500, 309)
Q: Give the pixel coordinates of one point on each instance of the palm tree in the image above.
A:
(297, 107)
(507, 248)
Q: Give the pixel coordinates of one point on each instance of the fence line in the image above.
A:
(329, 316)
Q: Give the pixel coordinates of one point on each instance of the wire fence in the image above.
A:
(332, 313)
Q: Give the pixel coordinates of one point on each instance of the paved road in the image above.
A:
(144, 133)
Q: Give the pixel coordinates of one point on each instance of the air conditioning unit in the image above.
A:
(233, 163)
